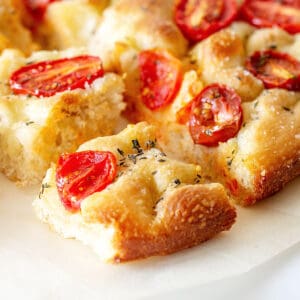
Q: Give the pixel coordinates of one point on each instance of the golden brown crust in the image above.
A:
(187, 217)
(273, 180)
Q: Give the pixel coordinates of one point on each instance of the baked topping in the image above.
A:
(81, 174)
(275, 69)
(213, 116)
(269, 13)
(198, 19)
(161, 77)
(47, 78)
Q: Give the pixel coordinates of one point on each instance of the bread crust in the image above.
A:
(189, 216)
(273, 181)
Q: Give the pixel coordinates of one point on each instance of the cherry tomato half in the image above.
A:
(47, 78)
(197, 19)
(81, 174)
(37, 8)
(213, 116)
(275, 69)
(268, 13)
(161, 77)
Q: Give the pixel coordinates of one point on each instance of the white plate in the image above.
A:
(36, 263)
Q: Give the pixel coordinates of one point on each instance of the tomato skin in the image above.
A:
(81, 174)
(46, 78)
(268, 65)
(210, 23)
(269, 13)
(213, 116)
(160, 77)
(37, 8)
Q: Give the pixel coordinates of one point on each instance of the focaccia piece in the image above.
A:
(155, 205)
(265, 155)
(261, 159)
(34, 131)
(141, 24)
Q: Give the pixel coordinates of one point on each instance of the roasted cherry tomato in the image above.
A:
(197, 19)
(81, 174)
(50, 77)
(161, 77)
(37, 8)
(268, 13)
(213, 116)
(275, 69)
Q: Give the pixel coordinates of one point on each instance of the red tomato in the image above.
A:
(161, 77)
(37, 8)
(197, 19)
(275, 69)
(213, 116)
(50, 77)
(81, 174)
(268, 13)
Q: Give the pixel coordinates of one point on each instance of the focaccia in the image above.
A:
(35, 130)
(154, 206)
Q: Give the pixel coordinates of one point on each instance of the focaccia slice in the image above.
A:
(154, 206)
(35, 130)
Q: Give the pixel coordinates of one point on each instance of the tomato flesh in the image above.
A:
(161, 77)
(197, 19)
(81, 174)
(37, 8)
(275, 69)
(213, 116)
(268, 13)
(46, 78)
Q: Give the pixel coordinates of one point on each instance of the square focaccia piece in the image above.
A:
(250, 161)
(126, 199)
(39, 119)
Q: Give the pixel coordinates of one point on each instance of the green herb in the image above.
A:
(208, 132)
(136, 146)
(161, 160)
(229, 162)
(262, 60)
(132, 157)
(198, 178)
(29, 123)
(44, 186)
(121, 152)
(150, 144)
(177, 181)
